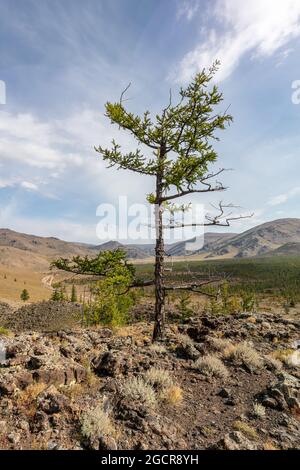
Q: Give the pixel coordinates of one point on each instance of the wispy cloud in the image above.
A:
(187, 9)
(29, 186)
(259, 27)
(284, 197)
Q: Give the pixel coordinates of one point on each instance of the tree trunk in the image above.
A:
(158, 332)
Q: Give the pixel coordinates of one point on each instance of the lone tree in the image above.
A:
(24, 295)
(180, 144)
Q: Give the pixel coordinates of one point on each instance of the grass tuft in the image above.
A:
(211, 366)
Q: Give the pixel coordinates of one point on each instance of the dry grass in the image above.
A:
(273, 363)
(10, 289)
(185, 340)
(295, 412)
(219, 344)
(244, 428)
(158, 348)
(96, 423)
(26, 399)
(135, 389)
(258, 411)
(282, 354)
(211, 366)
(293, 360)
(290, 357)
(269, 445)
(172, 395)
(75, 391)
(244, 353)
(158, 378)
(251, 320)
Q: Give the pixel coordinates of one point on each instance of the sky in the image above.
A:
(62, 60)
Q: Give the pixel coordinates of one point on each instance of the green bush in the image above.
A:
(184, 306)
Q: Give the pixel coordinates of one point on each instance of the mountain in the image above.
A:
(264, 238)
(24, 251)
(183, 248)
(279, 237)
(288, 249)
(133, 251)
(44, 246)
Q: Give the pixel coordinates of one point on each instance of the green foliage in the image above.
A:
(59, 294)
(110, 306)
(55, 295)
(249, 302)
(266, 276)
(73, 294)
(110, 264)
(185, 309)
(24, 295)
(4, 331)
(183, 130)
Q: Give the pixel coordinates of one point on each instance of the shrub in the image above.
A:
(185, 340)
(272, 363)
(249, 302)
(293, 360)
(109, 308)
(172, 395)
(269, 445)
(245, 354)
(5, 331)
(219, 344)
(96, 423)
(26, 399)
(158, 378)
(135, 389)
(24, 295)
(211, 366)
(259, 410)
(185, 309)
(290, 357)
(245, 429)
(159, 348)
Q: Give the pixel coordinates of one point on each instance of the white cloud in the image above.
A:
(187, 9)
(29, 186)
(260, 27)
(282, 198)
(57, 160)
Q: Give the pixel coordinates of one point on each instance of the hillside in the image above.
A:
(47, 247)
(259, 240)
(210, 238)
(31, 252)
(288, 249)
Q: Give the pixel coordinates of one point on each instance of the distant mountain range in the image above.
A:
(279, 237)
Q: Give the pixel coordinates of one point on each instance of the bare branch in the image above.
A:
(221, 219)
(123, 93)
(209, 188)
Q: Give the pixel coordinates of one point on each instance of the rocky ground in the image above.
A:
(223, 382)
(40, 316)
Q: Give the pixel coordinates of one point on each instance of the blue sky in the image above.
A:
(61, 60)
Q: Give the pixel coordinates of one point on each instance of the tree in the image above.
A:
(24, 295)
(73, 294)
(55, 295)
(180, 141)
